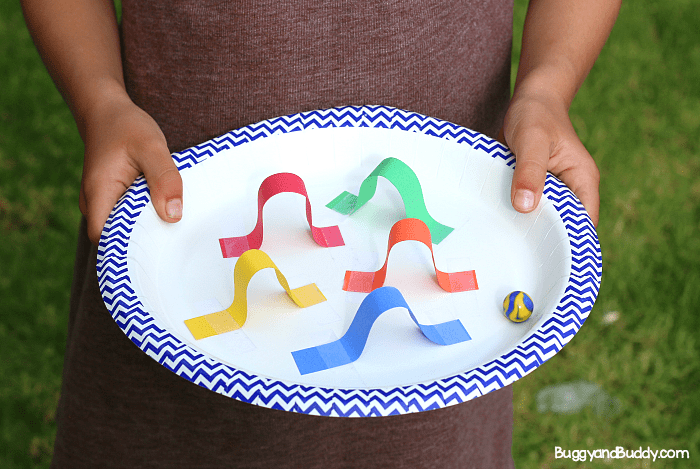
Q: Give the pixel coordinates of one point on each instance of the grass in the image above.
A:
(638, 114)
(40, 157)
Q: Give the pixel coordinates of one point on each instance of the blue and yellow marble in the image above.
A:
(517, 306)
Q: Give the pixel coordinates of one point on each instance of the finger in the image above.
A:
(98, 198)
(590, 198)
(584, 182)
(164, 182)
(531, 159)
(82, 203)
(501, 136)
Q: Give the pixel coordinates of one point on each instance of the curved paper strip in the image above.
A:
(233, 317)
(327, 237)
(406, 182)
(406, 230)
(348, 348)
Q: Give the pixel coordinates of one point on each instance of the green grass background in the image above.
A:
(638, 114)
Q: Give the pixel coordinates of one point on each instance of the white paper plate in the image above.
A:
(154, 275)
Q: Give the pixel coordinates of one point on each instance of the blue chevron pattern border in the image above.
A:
(570, 314)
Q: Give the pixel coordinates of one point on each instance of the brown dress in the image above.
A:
(204, 68)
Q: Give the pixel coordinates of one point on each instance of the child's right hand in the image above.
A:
(121, 142)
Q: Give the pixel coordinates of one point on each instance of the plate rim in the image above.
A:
(532, 351)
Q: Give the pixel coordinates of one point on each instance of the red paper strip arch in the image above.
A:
(326, 237)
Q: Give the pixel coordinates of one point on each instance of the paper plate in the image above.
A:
(154, 276)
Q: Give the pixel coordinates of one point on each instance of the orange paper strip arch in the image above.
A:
(326, 237)
(409, 229)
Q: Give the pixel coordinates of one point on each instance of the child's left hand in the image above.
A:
(539, 132)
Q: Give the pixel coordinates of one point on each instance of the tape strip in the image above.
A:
(233, 317)
(348, 348)
(326, 237)
(409, 229)
(402, 177)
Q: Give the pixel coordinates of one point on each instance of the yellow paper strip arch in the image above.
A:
(233, 317)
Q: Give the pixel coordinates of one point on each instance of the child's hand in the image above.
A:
(538, 130)
(122, 141)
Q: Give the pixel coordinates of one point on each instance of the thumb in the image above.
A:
(531, 161)
(165, 184)
(102, 185)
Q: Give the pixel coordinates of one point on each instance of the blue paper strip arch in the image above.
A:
(348, 348)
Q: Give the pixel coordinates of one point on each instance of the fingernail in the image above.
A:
(173, 209)
(524, 200)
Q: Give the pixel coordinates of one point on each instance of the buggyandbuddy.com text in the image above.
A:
(583, 455)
